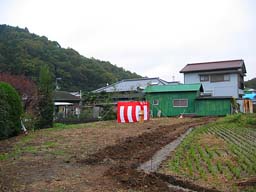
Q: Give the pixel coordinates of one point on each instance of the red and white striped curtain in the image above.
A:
(128, 112)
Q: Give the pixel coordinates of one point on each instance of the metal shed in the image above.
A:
(213, 106)
(173, 100)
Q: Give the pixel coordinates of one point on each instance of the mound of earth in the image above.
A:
(125, 156)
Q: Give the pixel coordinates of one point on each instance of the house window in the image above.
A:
(220, 77)
(204, 78)
(180, 102)
(156, 102)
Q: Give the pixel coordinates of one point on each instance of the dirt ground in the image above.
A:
(100, 156)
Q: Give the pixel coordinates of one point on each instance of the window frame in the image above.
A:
(173, 102)
(203, 79)
(155, 103)
(226, 77)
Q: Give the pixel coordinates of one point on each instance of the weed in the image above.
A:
(49, 144)
(219, 167)
(29, 149)
(58, 152)
(4, 156)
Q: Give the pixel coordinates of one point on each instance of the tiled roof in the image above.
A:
(131, 85)
(213, 66)
(64, 96)
(174, 88)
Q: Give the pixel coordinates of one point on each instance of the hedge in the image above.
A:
(10, 111)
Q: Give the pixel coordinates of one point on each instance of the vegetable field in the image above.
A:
(219, 155)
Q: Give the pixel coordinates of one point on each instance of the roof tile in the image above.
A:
(212, 66)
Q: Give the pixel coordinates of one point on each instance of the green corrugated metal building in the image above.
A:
(173, 100)
(213, 106)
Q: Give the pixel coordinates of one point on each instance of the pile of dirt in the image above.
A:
(127, 155)
(134, 179)
(176, 181)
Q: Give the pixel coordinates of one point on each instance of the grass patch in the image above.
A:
(49, 144)
(3, 156)
(58, 152)
(41, 140)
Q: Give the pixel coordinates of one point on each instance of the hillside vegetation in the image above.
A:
(251, 83)
(22, 52)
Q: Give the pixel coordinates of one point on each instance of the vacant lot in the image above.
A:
(220, 155)
(100, 156)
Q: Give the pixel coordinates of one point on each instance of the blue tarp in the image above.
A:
(251, 96)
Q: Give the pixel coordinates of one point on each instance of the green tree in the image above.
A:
(45, 103)
(10, 111)
(22, 53)
(251, 83)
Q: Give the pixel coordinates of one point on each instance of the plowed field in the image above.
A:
(101, 156)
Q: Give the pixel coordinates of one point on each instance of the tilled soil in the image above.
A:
(98, 157)
(126, 156)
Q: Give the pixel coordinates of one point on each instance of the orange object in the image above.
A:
(141, 114)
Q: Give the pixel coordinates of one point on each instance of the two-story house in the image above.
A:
(219, 78)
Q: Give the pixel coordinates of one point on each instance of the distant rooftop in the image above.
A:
(214, 66)
(64, 96)
(132, 85)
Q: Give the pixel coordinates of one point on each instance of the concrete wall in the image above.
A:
(226, 88)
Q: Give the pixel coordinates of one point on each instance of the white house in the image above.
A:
(219, 78)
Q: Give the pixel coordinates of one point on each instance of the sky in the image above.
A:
(154, 38)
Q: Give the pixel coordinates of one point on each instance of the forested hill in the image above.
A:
(22, 52)
(251, 83)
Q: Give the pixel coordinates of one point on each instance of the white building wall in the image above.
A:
(226, 88)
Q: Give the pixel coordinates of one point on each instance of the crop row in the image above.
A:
(220, 150)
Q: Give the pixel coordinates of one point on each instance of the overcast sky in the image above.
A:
(152, 38)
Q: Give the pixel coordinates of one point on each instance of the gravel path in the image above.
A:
(153, 164)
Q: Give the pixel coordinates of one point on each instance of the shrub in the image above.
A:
(108, 113)
(10, 111)
(45, 103)
(235, 118)
(251, 119)
(25, 87)
(30, 121)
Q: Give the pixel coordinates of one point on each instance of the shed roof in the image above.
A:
(174, 88)
(215, 65)
(64, 96)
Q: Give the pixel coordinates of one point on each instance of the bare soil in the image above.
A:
(101, 156)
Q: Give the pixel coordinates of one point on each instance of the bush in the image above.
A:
(86, 113)
(251, 119)
(10, 111)
(235, 118)
(29, 121)
(241, 119)
(108, 113)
